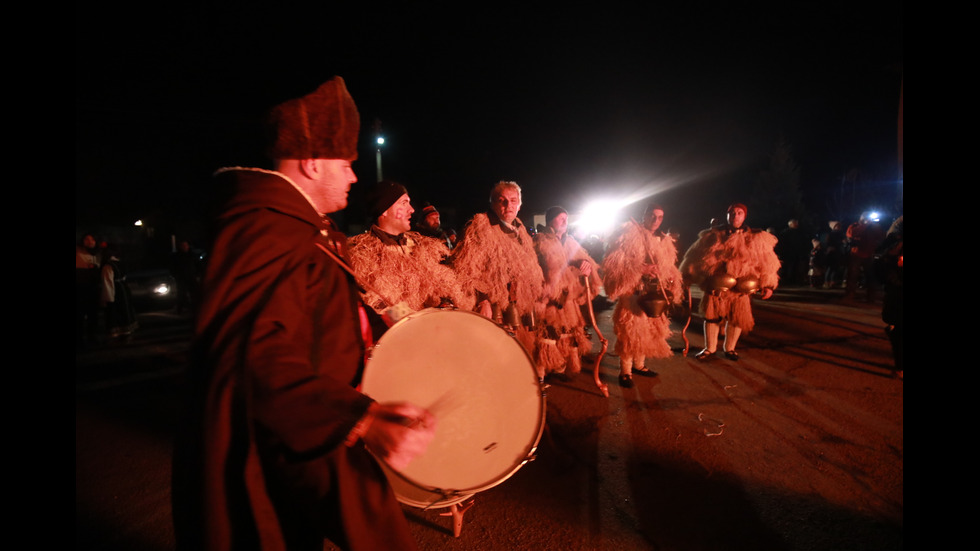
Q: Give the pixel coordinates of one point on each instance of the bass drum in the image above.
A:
(481, 385)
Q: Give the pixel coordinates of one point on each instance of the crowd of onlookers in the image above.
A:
(837, 257)
(104, 307)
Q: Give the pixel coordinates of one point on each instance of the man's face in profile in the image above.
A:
(398, 218)
(330, 191)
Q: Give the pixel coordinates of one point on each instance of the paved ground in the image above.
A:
(798, 446)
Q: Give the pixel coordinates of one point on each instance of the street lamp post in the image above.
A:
(381, 142)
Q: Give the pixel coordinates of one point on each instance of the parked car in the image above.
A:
(152, 289)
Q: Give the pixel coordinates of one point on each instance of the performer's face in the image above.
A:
(432, 220)
(398, 218)
(506, 204)
(653, 219)
(332, 183)
(736, 217)
(559, 224)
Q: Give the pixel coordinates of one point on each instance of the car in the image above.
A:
(152, 290)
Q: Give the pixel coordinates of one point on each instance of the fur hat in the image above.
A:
(323, 124)
(382, 196)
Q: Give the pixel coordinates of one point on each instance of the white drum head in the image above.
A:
(481, 385)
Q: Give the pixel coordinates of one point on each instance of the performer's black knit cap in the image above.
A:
(553, 213)
(383, 195)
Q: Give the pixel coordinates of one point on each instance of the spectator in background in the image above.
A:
(817, 265)
(793, 250)
(114, 298)
(890, 259)
(186, 269)
(834, 255)
(87, 278)
(863, 238)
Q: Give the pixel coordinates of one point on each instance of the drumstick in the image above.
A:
(442, 405)
(445, 403)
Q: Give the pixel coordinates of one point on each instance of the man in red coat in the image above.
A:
(275, 451)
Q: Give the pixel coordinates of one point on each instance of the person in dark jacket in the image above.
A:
(274, 454)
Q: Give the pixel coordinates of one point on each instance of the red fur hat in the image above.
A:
(323, 124)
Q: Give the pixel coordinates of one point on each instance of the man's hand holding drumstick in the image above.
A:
(396, 433)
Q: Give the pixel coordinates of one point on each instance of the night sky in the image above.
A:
(573, 103)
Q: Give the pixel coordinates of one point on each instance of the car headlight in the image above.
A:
(161, 290)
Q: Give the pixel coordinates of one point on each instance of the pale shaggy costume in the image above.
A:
(741, 253)
(561, 334)
(639, 336)
(404, 269)
(499, 263)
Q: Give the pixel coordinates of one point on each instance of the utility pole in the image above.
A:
(379, 141)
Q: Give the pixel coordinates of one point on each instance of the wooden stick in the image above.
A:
(605, 343)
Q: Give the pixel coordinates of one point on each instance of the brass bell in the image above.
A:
(747, 285)
(511, 317)
(528, 320)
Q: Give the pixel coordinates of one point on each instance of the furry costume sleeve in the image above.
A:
(412, 273)
(487, 260)
(632, 246)
(746, 253)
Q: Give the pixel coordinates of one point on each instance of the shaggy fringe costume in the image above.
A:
(411, 272)
(638, 336)
(501, 267)
(740, 253)
(561, 335)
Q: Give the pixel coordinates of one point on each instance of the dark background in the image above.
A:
(574, 103)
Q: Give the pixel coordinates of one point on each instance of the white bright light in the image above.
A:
(381, 140)
(598, 217)
(138, 223)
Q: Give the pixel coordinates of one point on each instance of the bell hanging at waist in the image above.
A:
(746, 285)
(718, 283)
(652, 305)
(510, 316)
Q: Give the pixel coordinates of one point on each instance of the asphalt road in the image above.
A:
(798, 446)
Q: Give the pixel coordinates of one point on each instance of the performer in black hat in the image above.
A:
(567, 268)
(398, 265)
(274, 451)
